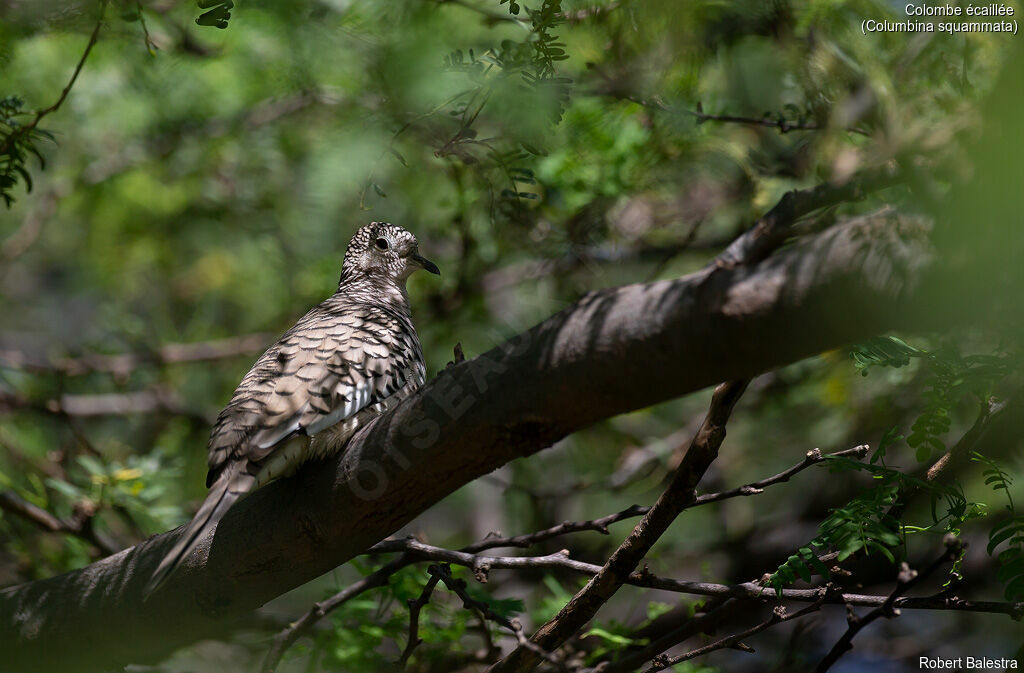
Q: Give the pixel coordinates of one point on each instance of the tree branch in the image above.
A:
(125, 363)
(813, 457)
(458, 587)
(677, 497)
(29, 127)
(783, 125)
(906, 580)
(285, 639)
(415, 605)
(80, 525)
(415, 551)
(562, 375)
(155, 399)
(482, 565)
(779, 615)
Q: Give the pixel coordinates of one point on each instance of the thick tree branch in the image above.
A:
(679, 336)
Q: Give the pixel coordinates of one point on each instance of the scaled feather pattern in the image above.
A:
(349, 359)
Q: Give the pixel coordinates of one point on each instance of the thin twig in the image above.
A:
(713, 614)
(773, 228)
(153, 400)
(906, 580)
(481, 566)
(783, 125)
(946, 467)
(80, 524)
(813, 457)
(458, 586)
(125, 363)
(415, 605)
(284, 639)
(960, 453)
(599, 525)
(29, 127)
(779, 615)
(150, 45)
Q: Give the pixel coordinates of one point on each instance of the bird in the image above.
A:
(348, 360)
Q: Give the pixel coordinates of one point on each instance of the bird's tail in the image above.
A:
(232, 484)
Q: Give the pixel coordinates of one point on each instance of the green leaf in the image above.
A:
(63, 487)
(1012, 569)
(615, 639)
(997, 536)
(1014, 590)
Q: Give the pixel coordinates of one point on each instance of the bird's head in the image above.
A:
(384, 251)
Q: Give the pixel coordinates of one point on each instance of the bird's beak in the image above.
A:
(426, 264)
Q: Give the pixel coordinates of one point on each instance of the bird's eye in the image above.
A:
(382, 243)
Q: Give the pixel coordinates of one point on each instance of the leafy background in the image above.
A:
(201, 184)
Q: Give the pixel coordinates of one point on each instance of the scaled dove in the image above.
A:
(350, 359)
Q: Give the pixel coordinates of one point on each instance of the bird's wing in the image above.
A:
(330, 365)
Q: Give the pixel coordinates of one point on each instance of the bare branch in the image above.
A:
(124, 364)
(714, 613)
(152, 400)
(753, 590)
(906, 580)
(679, 494)
(415, 605)
(960, 453)
(599, 525)
(783, 125)
(458, 586)
(813, 457)
(482, 565)
(772, 229)
(779, 615)
(14, 504)
(416, 552)
(284, 639)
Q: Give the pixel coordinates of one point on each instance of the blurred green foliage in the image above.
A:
(202, 184)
